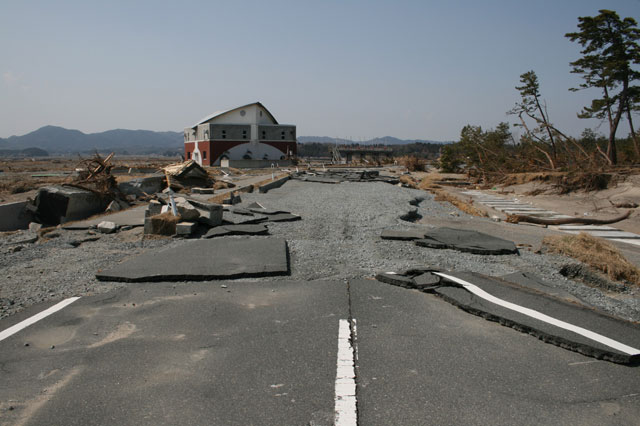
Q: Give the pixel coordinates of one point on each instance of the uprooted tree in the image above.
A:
(610, 50)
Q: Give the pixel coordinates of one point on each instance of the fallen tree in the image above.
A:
(517, 218)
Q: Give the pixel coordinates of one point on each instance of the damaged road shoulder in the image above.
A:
(566, 324)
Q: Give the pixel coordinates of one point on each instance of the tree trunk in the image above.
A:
(633, 133)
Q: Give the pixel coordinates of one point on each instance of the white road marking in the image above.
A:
(32, 320)
(542, 317)
(345, 409)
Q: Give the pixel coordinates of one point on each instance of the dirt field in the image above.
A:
(602, 204)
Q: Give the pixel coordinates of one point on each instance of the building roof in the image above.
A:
(219, 113)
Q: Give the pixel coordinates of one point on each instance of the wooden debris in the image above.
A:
(517, 218)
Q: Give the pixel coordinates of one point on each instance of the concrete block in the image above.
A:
(14, 216)
(211, 218)
(60, 204)
(186, 210)
(107, 227)
(154, 208)
(186, 228)
(232, 199)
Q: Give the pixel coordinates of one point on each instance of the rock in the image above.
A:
(107, 227)
(154, 208)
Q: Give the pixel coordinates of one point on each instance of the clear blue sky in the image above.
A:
(355, 69)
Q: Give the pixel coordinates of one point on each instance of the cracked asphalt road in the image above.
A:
(263, 351)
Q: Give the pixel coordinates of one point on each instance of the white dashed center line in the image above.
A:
(345, 409)
(542, 317)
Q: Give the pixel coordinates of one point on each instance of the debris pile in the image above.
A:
(186, 175)
(338, 176)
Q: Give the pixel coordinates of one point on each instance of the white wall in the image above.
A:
(251, 116)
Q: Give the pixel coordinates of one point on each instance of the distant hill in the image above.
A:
(65, 141)
(385, 140)
(58, 140)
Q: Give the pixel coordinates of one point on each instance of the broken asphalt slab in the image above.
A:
(574, 314)
(466, 241)
(129, 217)
(206, 259)
(531, 295)
(227, 230)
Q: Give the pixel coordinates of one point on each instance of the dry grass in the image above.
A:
(596, 253)
(413, 164)
(465, 206)
(409, 181)
(165, 223)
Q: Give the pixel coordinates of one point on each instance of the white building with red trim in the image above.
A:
(248, 132)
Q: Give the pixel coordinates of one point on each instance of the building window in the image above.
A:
(224, 134)
(264, 134)
(282, 135)
(242, 113)
(204, 155)
(206, 134)
(260, 113)
(188, 156)
(244, 134)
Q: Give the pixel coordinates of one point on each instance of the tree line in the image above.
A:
(610, 56)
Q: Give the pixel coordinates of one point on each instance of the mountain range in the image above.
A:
(58, 140)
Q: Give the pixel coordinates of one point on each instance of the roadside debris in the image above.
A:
(564, 221)
(187, 174)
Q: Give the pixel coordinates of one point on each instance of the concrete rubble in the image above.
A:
(107, 227)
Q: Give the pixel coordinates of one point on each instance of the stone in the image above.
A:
(107, 227)
(34, 226)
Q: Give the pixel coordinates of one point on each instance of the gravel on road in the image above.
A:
(338, 238)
